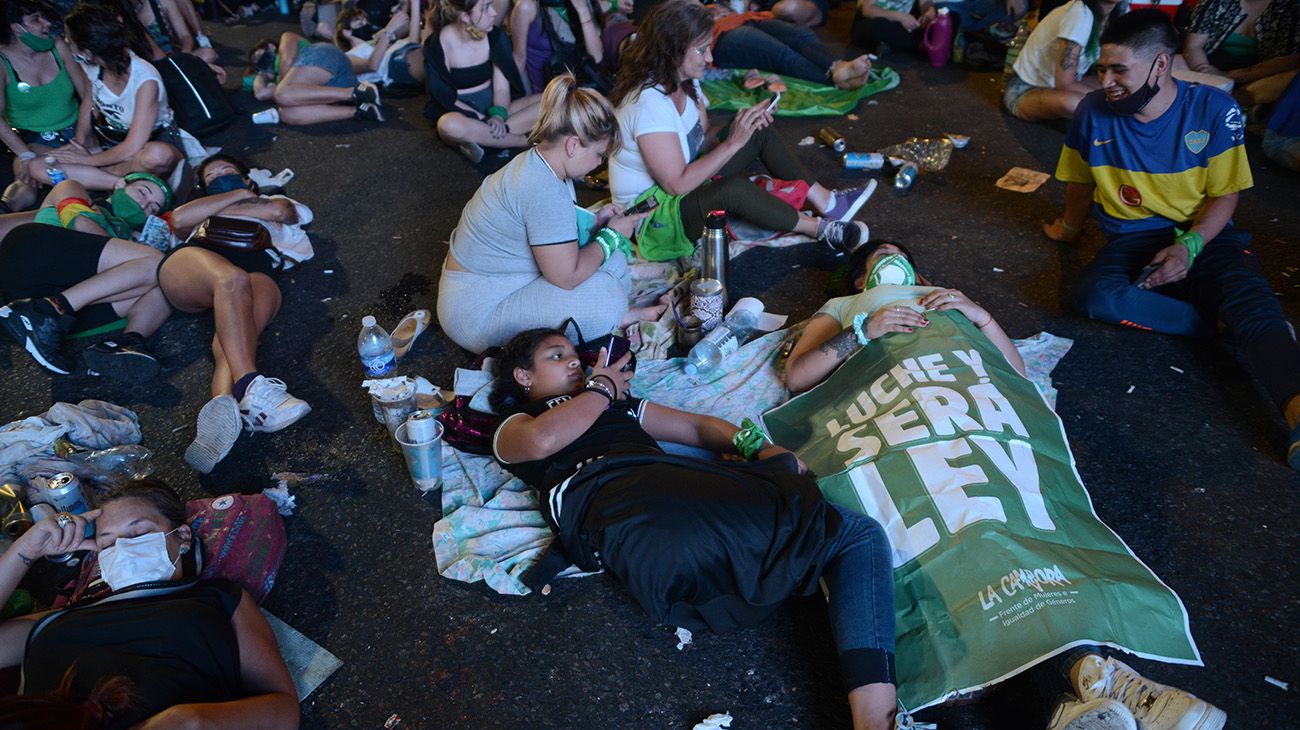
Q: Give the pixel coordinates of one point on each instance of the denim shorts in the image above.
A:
(53, 139)
(1014, 91)
(399, 69)
(330, 58)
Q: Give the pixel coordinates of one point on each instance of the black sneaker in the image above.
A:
(39, 333)
(845, 236)
(365, 93)
(369, 111)
(120, 360)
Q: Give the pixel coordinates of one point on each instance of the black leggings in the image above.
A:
(741, 198)
(870, 33)
(41, 260)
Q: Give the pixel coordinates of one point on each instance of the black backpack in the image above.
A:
(194, 94)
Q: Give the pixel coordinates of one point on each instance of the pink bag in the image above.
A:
(790, 192)
(243, 542)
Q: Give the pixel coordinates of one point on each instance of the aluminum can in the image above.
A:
(63, 492)
(833, 139)
(41, 511)
(14, 518)
(422, 426)
(905, 176)
(863, 161)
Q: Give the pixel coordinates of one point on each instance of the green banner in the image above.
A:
(801, 98)
(999, 559)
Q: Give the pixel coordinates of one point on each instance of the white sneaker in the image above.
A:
(1156, 706)
(1102, 713)
(267, 406)
(216, 433)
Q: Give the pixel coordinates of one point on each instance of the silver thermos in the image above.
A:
(714, 245)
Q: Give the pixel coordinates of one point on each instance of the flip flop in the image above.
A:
(753, 79)
(408, 330)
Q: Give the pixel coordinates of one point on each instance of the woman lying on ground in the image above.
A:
(98, 277)
(162, 651)
(238, 287)
(477, 94)
(310, 82)
(516, 261)
(44, 97)
(698, 543)
(664, 121)
(393, 53)
(134, 126)
(832, 333)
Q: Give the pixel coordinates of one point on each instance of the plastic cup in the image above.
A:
(423, 459)
(398, 407)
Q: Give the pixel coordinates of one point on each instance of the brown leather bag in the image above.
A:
(235, 234)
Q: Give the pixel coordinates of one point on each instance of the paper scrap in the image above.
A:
(852, 117)
(996, 270)
(1277, 683)
(1022, 180)
(392, 721)
(684, 638)
(807, 141)
(717, 719)
(284, 502)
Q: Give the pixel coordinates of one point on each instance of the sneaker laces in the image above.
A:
(261, 393)
(1132, 689)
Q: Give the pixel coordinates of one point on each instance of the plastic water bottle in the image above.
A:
(375, 348)
(53, 171)
(283, 7)
(723, 340)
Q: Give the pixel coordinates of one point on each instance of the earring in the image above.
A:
(527, 389)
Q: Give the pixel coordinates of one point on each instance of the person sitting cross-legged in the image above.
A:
(1163, 162)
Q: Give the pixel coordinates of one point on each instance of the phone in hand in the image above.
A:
(1150, 269)
(645, 206)
(772, 104)
(615, 348)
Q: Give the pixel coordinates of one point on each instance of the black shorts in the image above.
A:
(39, 260)
(269, 261)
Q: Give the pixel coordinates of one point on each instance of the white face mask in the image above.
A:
(133, 560)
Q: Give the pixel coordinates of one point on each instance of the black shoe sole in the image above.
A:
(12, 323)
(122, 366)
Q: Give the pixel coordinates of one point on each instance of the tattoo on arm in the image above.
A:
(1069, 55)
(843, 344)
(26, 560)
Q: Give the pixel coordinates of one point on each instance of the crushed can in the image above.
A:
(833, 139)
(63, 493)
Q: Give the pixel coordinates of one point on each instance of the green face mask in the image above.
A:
(125, 208)
(37, 43)
(892, 269)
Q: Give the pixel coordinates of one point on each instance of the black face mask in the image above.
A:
(266, 62)
(1138, 100)
(226, 183)
(364, 33)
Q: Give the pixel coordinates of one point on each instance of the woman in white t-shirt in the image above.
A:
(134, 125)
(664, 121)
(517, 261)
(389, 56)
(1051, 73)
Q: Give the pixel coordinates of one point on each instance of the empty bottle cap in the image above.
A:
(368, 321)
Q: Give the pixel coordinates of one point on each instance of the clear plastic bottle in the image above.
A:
(722, 341)
(375, 348)
(53, 171)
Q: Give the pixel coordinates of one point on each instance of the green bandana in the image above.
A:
(37, 43)
(892, 269)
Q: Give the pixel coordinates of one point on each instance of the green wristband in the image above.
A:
(1193, 241)
(499, 112)
(749, 439)
(611, 240)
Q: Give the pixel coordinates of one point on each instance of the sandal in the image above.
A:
(408, 330)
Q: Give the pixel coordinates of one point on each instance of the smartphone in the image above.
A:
(772, 104)
(645, 206)
(1146, 274)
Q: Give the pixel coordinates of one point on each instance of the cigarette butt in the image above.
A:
(1277, 683)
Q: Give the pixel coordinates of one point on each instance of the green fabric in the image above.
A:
(661, 237)
(801, 98)
(999, 560)
(114, 326)
(1240, 45)
(41, 108)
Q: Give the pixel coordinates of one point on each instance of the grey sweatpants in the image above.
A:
(478, 311)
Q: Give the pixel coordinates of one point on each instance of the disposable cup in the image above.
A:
(423, 458)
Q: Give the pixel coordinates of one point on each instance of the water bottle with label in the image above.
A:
(724, 339)
(375, 348)
(157, 233)
(53, 171)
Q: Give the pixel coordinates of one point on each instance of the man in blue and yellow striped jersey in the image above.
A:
(1162, 163)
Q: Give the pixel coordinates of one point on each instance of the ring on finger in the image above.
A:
(62, 520)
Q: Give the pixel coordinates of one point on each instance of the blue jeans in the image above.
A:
(775, 45)
(860, 575)
(1223, 285)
